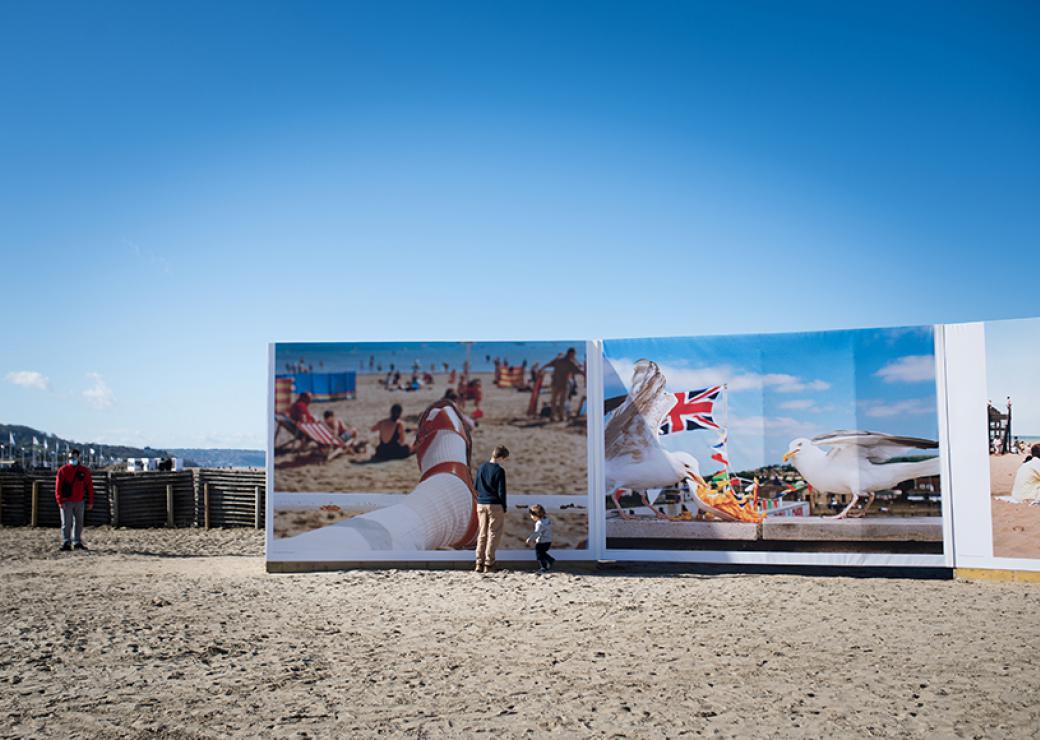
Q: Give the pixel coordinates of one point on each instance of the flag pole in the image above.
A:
(725, 412)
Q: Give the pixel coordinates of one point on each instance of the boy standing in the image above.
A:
(491, 508)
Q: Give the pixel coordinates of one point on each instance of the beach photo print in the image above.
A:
(824, 442)
(374, 445)
(1013, 416)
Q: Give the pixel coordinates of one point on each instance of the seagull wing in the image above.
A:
(633, 427)
(874, 446)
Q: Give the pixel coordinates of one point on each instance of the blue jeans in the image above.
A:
(72, 514)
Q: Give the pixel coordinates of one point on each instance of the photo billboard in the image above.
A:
(994, 432)
(817, 448)
(372, 447)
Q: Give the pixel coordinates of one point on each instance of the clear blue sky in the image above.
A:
(181, 183)
(1012, 368)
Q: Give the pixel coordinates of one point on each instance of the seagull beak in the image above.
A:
(697, 479)
(789, 454)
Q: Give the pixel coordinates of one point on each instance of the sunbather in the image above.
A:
(350, 436)
(391, 437)
(301, 411)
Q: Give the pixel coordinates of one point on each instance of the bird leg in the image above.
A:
(617, 502)
(646, 502)
(863, 512)
(845, 512)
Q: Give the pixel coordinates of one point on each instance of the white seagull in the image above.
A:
(856, 463)
(635, 459)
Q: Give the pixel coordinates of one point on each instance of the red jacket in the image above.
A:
(79, 478)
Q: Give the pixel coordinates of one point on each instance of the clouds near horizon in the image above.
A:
(29, 379)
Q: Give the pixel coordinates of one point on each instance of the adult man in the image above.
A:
(74, 491)
(564, 368)
(491, 508)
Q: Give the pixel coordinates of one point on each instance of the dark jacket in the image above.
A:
(491, 484)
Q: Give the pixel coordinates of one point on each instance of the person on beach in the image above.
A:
(74, 491)
(452, 395)
(301, 410)
(391, 437)
(349, 435)
(491, 508)
(1027, 479)
(542, 537)
(564, 368)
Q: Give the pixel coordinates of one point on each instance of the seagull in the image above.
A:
(635, 459)
(856, 463)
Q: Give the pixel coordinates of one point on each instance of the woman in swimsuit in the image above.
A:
(391, 437)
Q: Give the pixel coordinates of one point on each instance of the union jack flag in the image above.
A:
(693, 410)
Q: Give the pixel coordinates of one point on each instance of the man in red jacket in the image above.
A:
(74, 490)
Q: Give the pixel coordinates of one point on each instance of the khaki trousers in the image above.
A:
(490, 520)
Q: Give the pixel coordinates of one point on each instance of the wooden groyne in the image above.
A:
(200, 497)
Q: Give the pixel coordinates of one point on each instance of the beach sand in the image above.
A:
(570, 528)
(1016, 527)
(547, 458)
(140, 637)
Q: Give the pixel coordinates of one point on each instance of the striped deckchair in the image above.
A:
(318, 433)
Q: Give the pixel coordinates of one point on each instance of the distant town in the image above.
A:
(24, 447)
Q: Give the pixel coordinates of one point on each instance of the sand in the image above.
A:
(121, 642)
(1016, 527)
(570, 528)
(547, 458)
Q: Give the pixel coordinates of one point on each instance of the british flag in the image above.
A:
(693, 410)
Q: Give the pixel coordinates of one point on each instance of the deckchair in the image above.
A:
(309, 432)
(318, 433)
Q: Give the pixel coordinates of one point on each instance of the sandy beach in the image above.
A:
(158, 640)
(1016, 527)
(548, 458)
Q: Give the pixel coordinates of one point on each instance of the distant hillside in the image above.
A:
(193, 457)
(23, 437)
(215, 458)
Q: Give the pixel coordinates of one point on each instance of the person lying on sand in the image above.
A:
(391, 438)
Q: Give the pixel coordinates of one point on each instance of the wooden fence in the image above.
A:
(199, 498)
(230, 499)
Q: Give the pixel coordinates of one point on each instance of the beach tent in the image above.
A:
(325, 386)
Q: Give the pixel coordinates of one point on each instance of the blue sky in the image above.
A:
(1012, 369)
(785, 386)
(182, 183)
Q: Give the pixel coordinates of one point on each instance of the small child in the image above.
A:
(542, 537)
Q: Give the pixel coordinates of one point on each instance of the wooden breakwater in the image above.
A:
(200, 497)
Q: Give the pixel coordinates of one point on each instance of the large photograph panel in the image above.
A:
(815, 442)
(1013, 420)
(375, 444)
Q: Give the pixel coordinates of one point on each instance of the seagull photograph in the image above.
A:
(859, 463)
(635, 458)
(742, 422)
